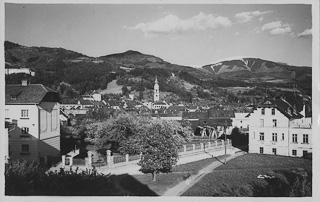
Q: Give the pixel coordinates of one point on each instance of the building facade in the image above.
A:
(33, 113)
(277, 128)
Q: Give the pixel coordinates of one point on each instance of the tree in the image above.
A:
(158, 141)
(124, 90)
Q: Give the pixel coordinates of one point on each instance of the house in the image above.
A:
(192, 108)
(17, 70)
(277, 127)
(241, 122)
(211, 123)
(32, 111)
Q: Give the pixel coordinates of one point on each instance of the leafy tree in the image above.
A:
(125, 90)
(159, 145)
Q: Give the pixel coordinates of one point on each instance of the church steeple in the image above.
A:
(156, 93)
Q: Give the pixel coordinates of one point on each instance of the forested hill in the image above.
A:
(56, 66)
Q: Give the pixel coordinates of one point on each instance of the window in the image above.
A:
(24, 113)
(305, 138)
(282, 136)
(305, 152)
(54, 119)
(274, 137)
(262, 111)
(25, 148)
(294, 138)
(294, 152)
(274, 151)
(262, 136)
(261, 150)
(261, 122)
(274, 122)
(43, 120)
(6, 115)
(24, 130)
(273, 111)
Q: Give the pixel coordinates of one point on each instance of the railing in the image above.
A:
(133, 158)
(187, 149)
(119, 159)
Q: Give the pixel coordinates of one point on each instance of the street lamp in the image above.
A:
(225, 144)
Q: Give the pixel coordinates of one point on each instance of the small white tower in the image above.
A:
(156, 91)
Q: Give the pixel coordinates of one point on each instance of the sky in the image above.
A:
(193, 35)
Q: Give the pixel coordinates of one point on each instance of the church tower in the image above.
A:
(156, 93)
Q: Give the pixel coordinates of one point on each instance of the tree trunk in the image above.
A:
(154, 175)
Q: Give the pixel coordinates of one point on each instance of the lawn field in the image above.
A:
(244, 176)
(165, 181)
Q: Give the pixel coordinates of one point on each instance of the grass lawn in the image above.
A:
(239, 177)
(165, 181)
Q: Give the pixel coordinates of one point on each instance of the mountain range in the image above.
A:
(64, 63)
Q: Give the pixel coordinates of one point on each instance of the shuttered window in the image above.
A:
(54, 119)
(43, 120)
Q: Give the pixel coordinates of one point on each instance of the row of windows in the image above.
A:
(293, 152)
(273, 111)
(24, 113)
(305, 138)
(274, 122)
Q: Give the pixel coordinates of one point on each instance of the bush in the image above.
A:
(24, 178)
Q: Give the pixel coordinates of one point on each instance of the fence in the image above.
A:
(118, 160)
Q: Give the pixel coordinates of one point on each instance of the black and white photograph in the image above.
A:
(179, 99)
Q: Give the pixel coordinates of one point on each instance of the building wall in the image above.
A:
(20, 70)
(267, 128)
(32, 121)
(15, 149)
(240, 120)
(284, 130)
(49, 141)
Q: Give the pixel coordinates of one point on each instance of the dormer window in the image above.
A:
(289, 111)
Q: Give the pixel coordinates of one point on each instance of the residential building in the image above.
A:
(32, 111)
(241, 122)
(276, 127)
(17, 70)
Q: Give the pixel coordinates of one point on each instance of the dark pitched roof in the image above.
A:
(213, 113)
(159, 103)
(282, 105)
(86, 102)
(30, 94)
(215, 122)
(195, 115)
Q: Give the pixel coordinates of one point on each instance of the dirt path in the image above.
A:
(180, 188)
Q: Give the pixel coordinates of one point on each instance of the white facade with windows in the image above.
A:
(281, 131)
(34, 132)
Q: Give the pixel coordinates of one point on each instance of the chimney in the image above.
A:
(14, 122)
(24, 82)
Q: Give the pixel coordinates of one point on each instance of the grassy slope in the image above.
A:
(164, 181)
(244, 170)
(112, 87)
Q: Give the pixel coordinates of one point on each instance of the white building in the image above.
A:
(241, 121)
(33, 113)
(277, 128)
(13, 70)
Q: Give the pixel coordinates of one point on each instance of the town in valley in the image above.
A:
(131, 123)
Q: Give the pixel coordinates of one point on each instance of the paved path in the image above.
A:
(180, 188)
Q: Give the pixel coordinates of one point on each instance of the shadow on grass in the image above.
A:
(215, 157)
(131, 186)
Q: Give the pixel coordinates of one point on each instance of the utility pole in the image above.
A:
(225, 143)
